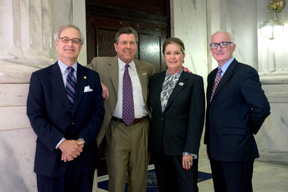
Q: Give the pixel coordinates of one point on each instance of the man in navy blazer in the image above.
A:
(236, 109)
(66, 148)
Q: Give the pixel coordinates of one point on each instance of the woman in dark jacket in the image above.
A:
(177, 102)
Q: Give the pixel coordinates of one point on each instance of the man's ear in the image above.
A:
(116, 47)
(56, 44)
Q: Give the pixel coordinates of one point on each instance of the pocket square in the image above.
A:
(87, 89)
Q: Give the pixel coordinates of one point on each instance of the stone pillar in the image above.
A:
(10, 30)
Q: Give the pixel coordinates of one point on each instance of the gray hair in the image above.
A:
(62, 27)
(125, 30)
(232, 39)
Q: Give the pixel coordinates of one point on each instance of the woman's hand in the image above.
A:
(187, 162)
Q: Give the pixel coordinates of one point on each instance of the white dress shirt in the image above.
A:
(139, 104)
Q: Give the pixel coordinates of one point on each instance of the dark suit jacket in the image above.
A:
(238, 109)
(178, 129)
(51, 118)
(107, 67)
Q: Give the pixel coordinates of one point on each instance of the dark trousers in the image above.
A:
(171, 177)
(232, 176)
(73, 181)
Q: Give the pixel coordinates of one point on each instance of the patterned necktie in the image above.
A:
(218, 78)
(167, 88)
(70, 86)
(128, 104)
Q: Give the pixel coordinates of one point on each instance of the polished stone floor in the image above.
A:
(267, 177)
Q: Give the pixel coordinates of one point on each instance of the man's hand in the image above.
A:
(187, 70)
(71, 149)
(105, 92)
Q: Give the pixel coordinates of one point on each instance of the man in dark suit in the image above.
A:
(125, 144)
(65, 109)
(236, 109)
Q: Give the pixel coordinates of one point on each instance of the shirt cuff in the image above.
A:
(61, 141)
(194, 156)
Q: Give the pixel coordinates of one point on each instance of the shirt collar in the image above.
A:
(226, 65)
(63, 66)
(175, 76)
(121, 64)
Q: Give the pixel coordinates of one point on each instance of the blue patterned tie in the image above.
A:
(128, 104)
(70, 87)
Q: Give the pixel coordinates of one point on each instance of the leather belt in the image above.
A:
(134, 122)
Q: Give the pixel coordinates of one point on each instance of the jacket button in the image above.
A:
(73, 123)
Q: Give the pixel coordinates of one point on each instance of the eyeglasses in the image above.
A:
(223, 44)
(67, 40)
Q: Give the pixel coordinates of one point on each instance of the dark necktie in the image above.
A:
(128, 104)
(70, 86)
(218, 78)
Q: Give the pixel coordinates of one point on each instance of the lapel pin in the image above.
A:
(181, 83)
(144, 73)
(85, 77)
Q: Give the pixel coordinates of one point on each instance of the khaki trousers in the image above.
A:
(126, 150)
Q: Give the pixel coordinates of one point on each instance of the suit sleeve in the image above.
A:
(93, 64)
(37, 114)
(256, 99)
(196, 117)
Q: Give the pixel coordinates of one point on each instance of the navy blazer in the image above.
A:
(178, 129)
(237, 111)
(51, 118)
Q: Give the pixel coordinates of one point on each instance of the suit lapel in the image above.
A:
(142, 74)
(180, 85)
(81, 82)
(113, 72)
(158, 89)
(56, 80)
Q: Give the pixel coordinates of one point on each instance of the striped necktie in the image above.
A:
(218, 78)
(70, 87)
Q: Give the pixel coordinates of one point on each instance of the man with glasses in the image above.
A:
(65, 109)
(236, 109)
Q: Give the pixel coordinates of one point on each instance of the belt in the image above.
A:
(134, 122)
